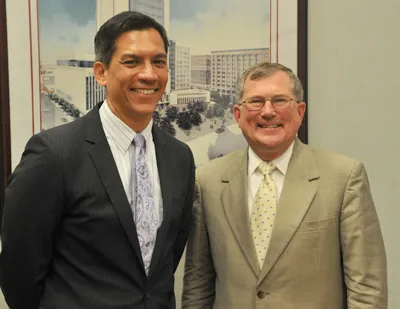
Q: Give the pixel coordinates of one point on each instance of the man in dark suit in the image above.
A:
(97, 212)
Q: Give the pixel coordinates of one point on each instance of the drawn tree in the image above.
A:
(172, 112)
(210, 113)
(197, 106)
(219, 111)
(183, 121)
(166, 125)
(156, 117)
(195, 118)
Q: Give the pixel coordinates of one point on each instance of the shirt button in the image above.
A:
(147, 296)
(261, 294)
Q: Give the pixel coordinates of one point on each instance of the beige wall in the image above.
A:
(353, 101)
(354, 66)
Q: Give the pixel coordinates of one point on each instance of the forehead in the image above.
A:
(146, 40)
(277, 83)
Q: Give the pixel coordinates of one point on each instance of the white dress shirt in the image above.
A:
(278, 175)
(120, 137)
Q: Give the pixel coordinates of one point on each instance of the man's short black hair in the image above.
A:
(111, 30)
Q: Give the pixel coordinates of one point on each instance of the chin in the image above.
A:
(146, 111)
(144, 106)
(271, 143)
(270, 138)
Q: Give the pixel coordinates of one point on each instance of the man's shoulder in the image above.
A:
(65, 132)
(64, 140)
(332, 160)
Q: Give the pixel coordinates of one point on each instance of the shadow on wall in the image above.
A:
(225, 143)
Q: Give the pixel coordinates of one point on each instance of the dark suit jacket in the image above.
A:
(69, 240)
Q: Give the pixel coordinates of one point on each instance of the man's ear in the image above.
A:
(236, 113)
(100, 73)
(301, 109)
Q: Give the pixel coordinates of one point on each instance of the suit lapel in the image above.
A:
(165, 184)
(234, 201)
(298, 192)
(103, 160)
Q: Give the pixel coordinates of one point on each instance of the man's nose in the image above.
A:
(268, 109)
(147, 72)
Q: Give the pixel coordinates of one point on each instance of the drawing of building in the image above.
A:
(76, 83)
(228, 65)
(105, 9)
(157, 9)
(184, 97)
(153, 8)
(179, 66)
(201, 72)
(47, 75)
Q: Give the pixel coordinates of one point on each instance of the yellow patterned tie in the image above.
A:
(263, 212)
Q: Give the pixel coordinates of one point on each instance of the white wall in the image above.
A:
(354, 102)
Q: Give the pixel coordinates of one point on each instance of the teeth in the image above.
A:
(145, 91)
(268, 127)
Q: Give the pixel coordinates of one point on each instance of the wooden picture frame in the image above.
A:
(5, 146)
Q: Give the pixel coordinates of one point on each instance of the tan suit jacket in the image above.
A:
(326, 249)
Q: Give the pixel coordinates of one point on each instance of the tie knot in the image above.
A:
(139, 140)
(266, 168)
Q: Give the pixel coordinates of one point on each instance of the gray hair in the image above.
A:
(266, 69)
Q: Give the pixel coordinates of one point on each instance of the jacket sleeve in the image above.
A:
(363, 252)
(199, 277)
(31, 215)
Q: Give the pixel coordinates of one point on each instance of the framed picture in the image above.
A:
(211, 44)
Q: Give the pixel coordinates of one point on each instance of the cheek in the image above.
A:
(163, 76)
(297, 119)
(249, 125)
(292, 119)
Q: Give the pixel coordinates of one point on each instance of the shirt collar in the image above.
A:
(119, 131)
(281, 162)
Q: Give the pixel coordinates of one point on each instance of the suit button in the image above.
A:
(147, 296)
(261, 294)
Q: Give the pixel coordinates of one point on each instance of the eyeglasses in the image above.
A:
(278, 102)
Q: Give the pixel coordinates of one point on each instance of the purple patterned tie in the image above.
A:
(145, 213)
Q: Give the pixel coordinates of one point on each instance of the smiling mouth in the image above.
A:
(145, 91)
(269, 127)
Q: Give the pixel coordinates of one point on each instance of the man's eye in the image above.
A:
(280, 100)
(160, 62)
(130, 62)
(256, 101)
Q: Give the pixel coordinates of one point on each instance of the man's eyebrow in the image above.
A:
(160, 55)
(135, 56)
(272, 96)
(129, 55)
(256, 96)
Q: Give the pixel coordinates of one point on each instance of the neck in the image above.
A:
(268, 155)
(136, 122)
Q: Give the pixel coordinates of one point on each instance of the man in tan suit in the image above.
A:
(310, 215)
